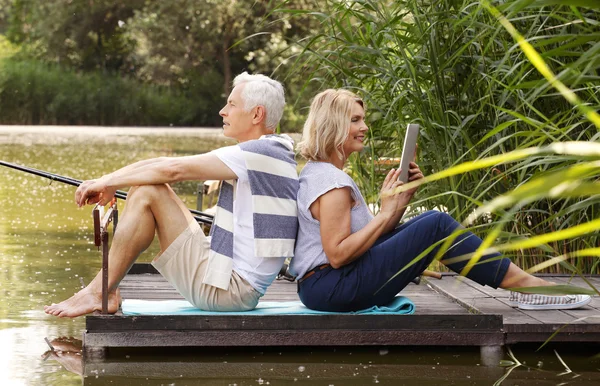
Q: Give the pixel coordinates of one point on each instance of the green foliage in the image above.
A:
(5, 6)
(76, 33)
(7, 49)
(450, 66)
(193, 46)
(36, 93)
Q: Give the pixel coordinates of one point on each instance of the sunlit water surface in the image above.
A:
(46, 249)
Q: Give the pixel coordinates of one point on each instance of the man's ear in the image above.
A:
(260, 115)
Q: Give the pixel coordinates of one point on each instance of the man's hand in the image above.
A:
(91, 192)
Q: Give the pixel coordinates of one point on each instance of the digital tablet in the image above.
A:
(408, 150)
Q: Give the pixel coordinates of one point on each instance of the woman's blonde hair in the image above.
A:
(327, 125)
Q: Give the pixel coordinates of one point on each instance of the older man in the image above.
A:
(256, 222)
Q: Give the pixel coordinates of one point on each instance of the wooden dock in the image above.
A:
(450, 312)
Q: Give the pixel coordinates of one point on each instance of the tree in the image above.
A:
(181, 37)
(5, 7)
(85, 34)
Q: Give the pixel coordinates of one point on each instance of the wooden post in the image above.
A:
(115, 219)
(101, 222)
(97, 235)
(199, 195)
(491, 355)
(104, 272)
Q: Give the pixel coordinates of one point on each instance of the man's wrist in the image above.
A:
(107, 180)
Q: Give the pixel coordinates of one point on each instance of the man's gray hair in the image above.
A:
(260, 90)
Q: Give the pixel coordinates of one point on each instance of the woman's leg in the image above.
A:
(404, 226)
(388, 266)
(376, 277)
(492, 269)
(364, 282)
(516, 277)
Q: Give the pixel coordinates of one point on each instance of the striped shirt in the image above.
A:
(256, 220)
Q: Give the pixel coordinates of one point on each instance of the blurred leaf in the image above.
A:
(555, 290)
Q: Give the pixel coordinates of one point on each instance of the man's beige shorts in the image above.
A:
(184, 263)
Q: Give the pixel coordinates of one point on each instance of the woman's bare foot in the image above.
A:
(84, 302)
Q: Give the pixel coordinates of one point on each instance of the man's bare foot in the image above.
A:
(84, 302)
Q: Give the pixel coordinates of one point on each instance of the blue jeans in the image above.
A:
(362, 283)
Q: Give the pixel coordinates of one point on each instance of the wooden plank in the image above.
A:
(517, 333)
(571, 328)
(221, 322)
(257, 338)
(250, 371)
(485, 300)
(154, 286)
(141, 268)
(477, 301)
(496, 293)
(540, 337)
(564, 316)
(442, 318)
(546, 316)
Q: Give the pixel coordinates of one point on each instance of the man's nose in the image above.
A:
(222, 112)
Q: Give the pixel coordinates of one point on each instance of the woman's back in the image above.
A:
(316, 179)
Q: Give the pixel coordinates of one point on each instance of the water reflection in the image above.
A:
(66, 351)
(325, 366)
(46, 243)
(46, 246)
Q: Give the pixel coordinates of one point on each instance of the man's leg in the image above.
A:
(149, 208)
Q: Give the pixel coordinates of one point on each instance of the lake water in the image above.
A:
(46, 248)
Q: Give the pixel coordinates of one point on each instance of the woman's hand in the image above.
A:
(94, 191)
(414, 174)
(389, 199)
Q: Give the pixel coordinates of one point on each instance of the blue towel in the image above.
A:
(400, 306)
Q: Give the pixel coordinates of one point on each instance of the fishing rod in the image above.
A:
(199, 216)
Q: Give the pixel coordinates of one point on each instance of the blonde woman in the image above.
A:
(345, 256)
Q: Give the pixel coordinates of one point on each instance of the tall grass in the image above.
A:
(452, 67)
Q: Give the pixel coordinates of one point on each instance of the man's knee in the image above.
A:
(148, 193)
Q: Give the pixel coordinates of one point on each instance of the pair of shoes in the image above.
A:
(547, 302)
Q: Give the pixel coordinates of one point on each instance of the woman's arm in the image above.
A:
(333, 211)
(340, 245)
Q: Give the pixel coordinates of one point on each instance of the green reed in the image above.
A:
(452, 67)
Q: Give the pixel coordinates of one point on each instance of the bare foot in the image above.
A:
(84, 302)
(71, 360)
